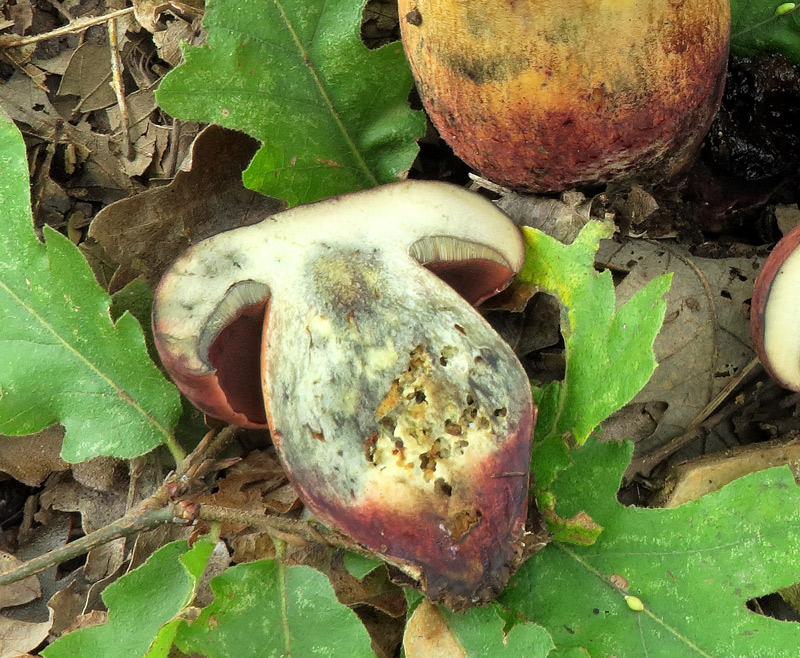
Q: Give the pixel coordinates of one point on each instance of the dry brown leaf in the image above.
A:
(105, 560)
(88, 76)
(375, 589)
(218, 561)
(141, 105)
(249, 485)
(178, 31)
(97, 508)
(20, 637)
(704, 344)
(23, 591)
(21, 12)
(31, 459)
(93, 618)
(145, 233)
(428, 636)
(251, 547)
(282, 499)
(694, 478)
(561, 219)
(99, 473)
(66, 605)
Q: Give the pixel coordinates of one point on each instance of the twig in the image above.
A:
(119, 90)
(159, 509)
(282, 526)
(646, 463)
(127, 525)
(151, 512)
(77, 25)
(171, 162)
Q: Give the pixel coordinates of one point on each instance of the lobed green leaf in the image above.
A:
(331, 115)
(693, 567)
(609, 351)
(62, 359)
(266, 608)
(143, 607)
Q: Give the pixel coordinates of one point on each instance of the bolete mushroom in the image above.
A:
(775, 312)
(400, 416)
(551, 95)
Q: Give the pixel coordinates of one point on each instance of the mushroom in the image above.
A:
(547, 96)
(402, 419)
(775, 312)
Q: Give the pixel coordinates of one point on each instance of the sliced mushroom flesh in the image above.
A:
(776, 312)
(394, 406)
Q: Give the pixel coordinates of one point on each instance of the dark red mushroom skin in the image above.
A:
(402, 419)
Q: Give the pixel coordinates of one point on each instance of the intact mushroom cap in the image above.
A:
(775, 312)
(400, 416)
(547, 95)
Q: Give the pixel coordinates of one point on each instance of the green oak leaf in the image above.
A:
(266, 608)
(608, 351)
(758, 26)
(62, 359)
(143, 607)
(359, 566)
(477, 632)
(693, 567)
(331, 115)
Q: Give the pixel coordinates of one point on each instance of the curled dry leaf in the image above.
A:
(145, 233)
(18, 637)
(561, 218)
(694, 478)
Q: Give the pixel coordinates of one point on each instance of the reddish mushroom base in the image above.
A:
(465, 543)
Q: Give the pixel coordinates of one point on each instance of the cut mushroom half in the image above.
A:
(400, 416)
(775, 312)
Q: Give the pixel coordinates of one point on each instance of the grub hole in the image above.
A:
(441, 487)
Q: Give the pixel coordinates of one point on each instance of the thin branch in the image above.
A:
(283, 527)
(694, 429)
(77, 25)
(159, 509)
(151, 512)
(127, 525)
(119, 89)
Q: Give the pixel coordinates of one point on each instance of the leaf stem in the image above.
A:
(178, 453)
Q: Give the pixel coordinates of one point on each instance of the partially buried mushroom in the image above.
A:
(401, 417)
(775, 312)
